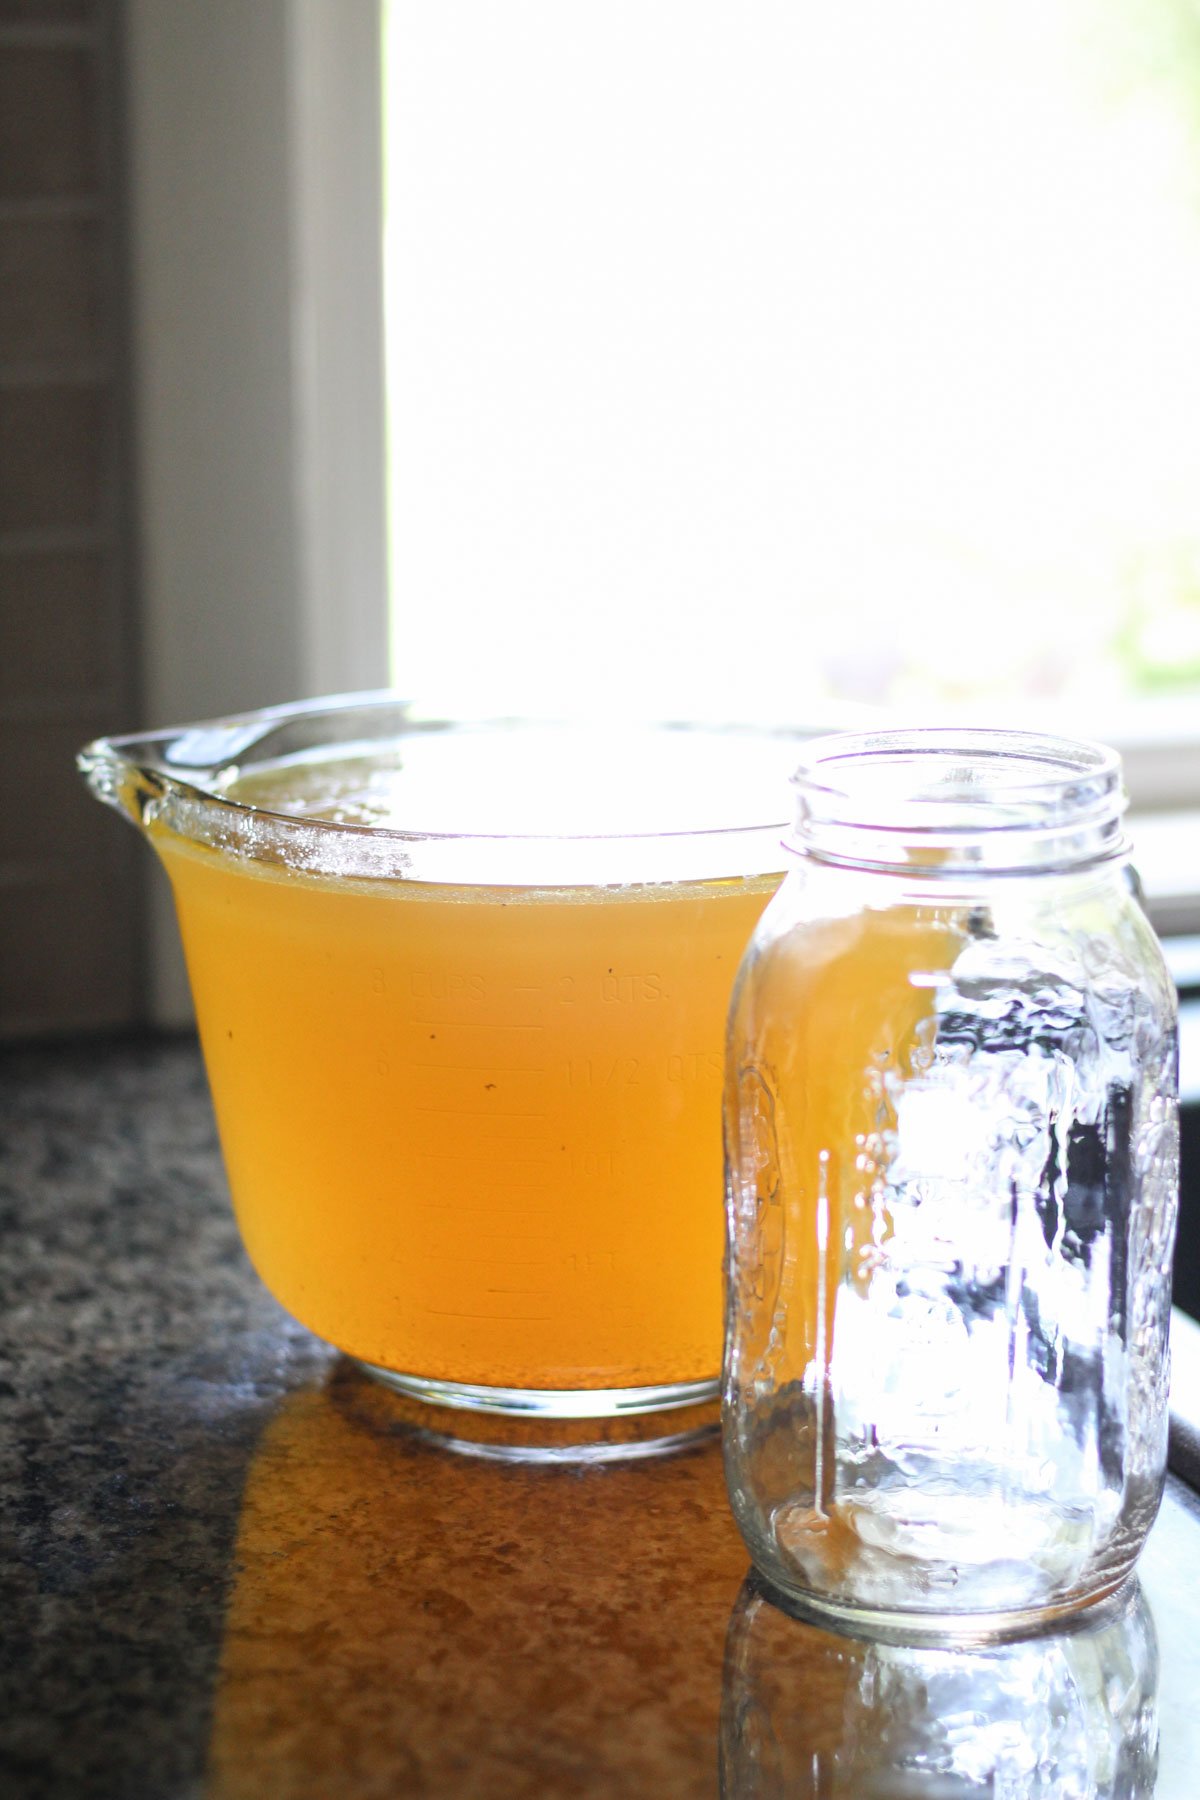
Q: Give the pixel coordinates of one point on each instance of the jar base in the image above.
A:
(901, 1626)
(552, 1424)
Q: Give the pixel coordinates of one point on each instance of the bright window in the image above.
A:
(744, 356)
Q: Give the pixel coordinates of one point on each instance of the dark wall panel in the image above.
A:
(70, 881)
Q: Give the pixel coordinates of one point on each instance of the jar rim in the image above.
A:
(977, 795)
(1047, 760)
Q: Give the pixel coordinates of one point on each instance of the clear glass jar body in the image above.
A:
(952, 1172)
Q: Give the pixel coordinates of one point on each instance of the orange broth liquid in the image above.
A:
(828, 1016)
(473, 1134)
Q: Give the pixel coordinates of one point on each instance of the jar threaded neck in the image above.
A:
(948, 800)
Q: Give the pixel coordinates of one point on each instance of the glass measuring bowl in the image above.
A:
(461, 991)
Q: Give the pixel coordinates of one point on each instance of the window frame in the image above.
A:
(255, 182)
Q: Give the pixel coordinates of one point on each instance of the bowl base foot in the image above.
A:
(552, 1424)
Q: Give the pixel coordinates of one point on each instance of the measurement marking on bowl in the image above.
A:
(476, 1112)
(536, 1258)
(515, 1157)
(524, 1240)
(430, 1312)
(522, 1218)
(492, 1068)
(520, 1245)
(530, 1202)
(497, 1266)
(518, 1293)
(475, 1024)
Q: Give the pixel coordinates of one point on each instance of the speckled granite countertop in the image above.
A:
(229, 1572)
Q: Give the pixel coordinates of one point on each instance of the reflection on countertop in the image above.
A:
(1070, 1714)
(465, 1626)
(238, 1574)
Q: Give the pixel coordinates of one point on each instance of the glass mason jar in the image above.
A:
(952, 1172)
